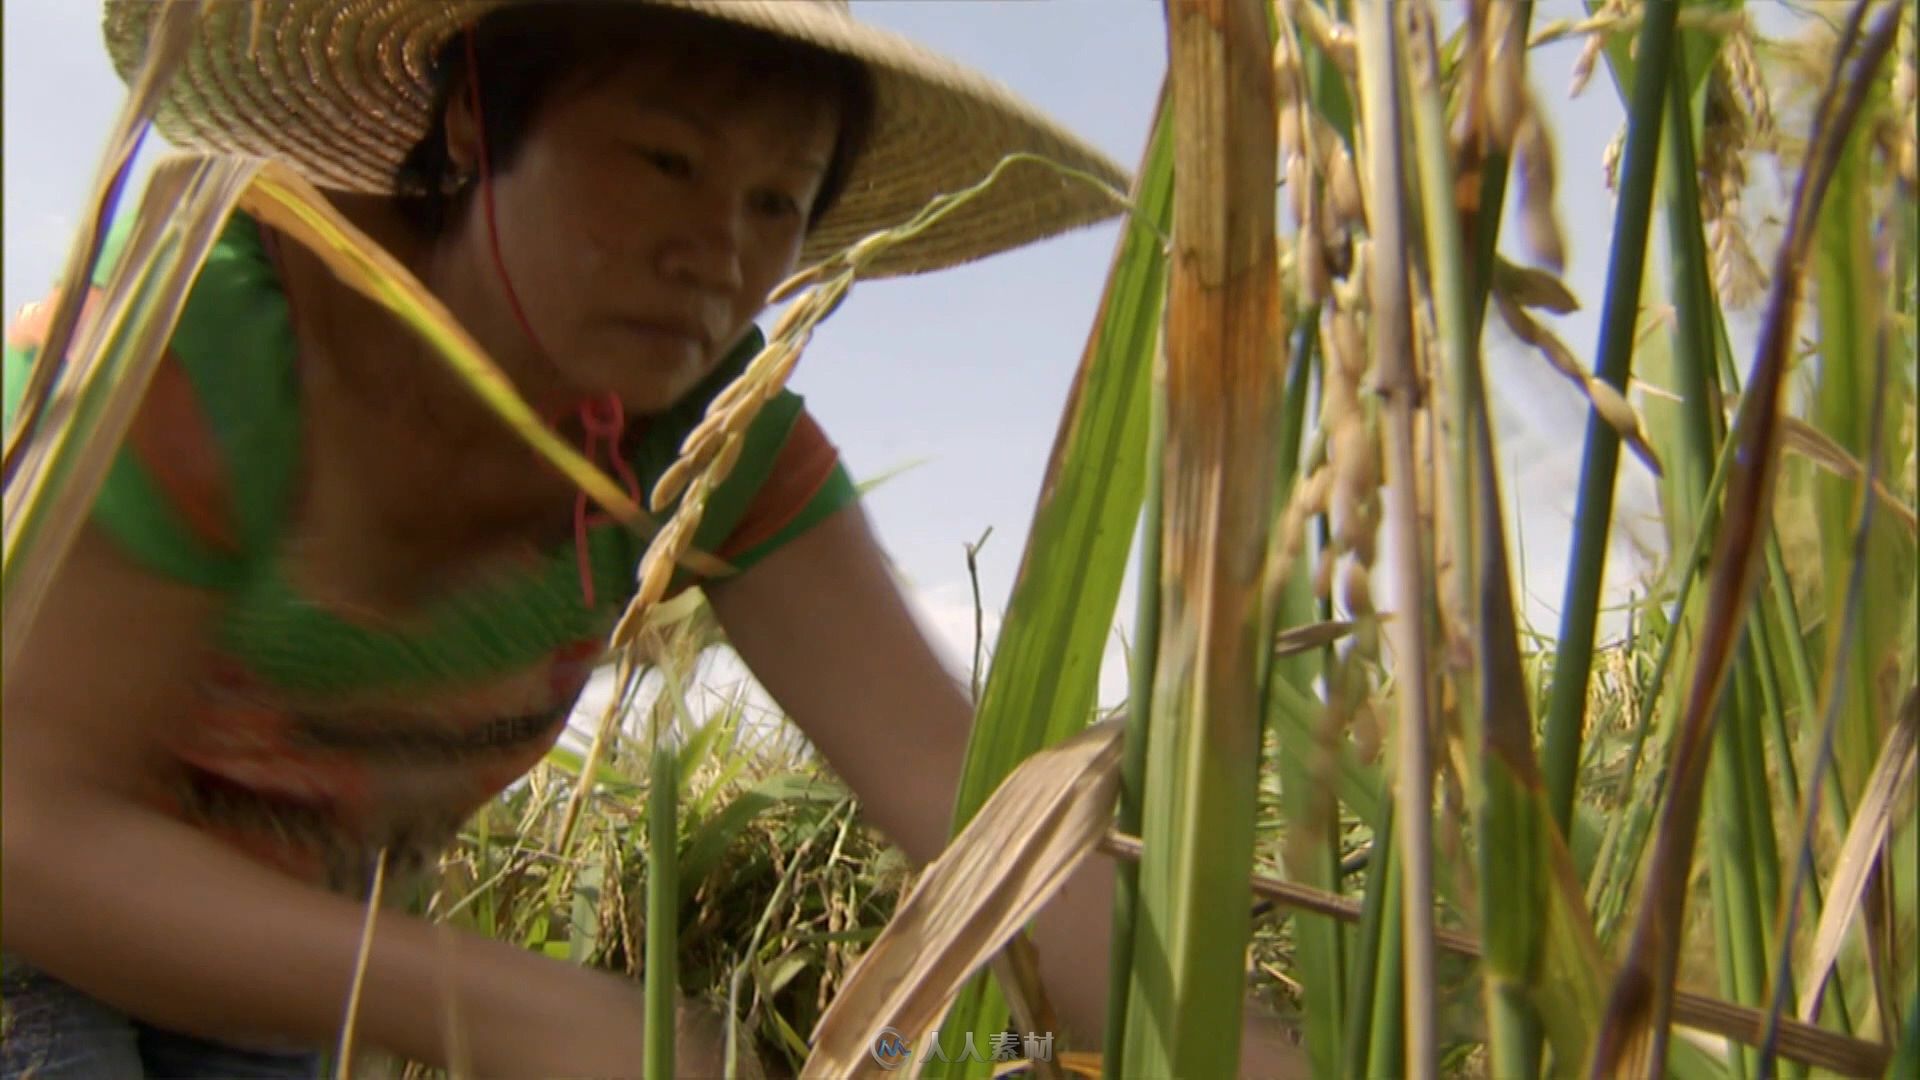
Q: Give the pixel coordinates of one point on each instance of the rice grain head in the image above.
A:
(1742, 66)
(1610, 160)
(1726, 139)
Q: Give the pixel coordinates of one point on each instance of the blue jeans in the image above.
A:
(53, 1032)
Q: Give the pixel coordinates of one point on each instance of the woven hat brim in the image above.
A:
(340, 90)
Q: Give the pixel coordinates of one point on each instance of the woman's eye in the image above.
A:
(776, 203)
(667, 161)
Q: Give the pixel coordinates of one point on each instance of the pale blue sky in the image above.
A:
(967, 370)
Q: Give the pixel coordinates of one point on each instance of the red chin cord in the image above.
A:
(602, 418)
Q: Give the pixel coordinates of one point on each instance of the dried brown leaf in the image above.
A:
(1047, 816)
(1861, 851)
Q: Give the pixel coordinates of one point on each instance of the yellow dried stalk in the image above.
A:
(1906, 68)
(1466, 134)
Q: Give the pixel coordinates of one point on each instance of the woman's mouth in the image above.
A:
(665, 330)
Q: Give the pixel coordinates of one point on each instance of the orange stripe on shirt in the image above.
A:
(171, 436)
(805, 463)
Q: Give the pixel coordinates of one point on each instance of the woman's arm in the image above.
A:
(155, 918)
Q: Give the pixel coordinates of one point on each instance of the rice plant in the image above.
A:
(1348, 783)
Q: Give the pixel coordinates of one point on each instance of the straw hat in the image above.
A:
(339, 89)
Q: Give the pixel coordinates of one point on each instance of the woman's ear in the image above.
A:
(463, 130)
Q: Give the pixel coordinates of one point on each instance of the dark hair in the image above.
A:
(529, 51)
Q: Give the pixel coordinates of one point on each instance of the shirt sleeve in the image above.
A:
(788, 479)
(807, 484)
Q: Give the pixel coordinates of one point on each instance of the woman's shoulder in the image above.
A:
(200, 476)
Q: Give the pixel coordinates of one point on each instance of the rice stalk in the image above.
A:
(1331, 38)
(1363, 959)
(1541, 955)
(603, 733)
(662, 960)
(1635, 1035)
(1741, 844)
(749, 957)
(1729, 128)
(1904, 103)
(1823, 451)
(1130, 809)
(1614, 18)
(1692, 517)
(1609, 405)
(1626, 260)
(1399, 389)
(1224, 333)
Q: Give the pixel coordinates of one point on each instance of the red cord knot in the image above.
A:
(604, 420)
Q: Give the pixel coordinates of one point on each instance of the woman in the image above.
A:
(348, 606)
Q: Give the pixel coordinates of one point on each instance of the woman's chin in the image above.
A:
(646, 381)
(647, 396)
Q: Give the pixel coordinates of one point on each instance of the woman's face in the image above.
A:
(644, 220)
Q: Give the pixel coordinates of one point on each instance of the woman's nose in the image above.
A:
(703, 249)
